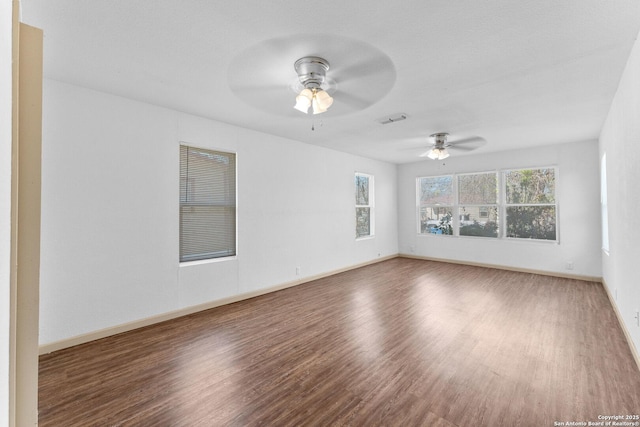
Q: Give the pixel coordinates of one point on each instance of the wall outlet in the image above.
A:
(569, 265)
(412, 249)
(297, 271)
(637, 317)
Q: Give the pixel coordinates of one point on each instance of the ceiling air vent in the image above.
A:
(392, 119)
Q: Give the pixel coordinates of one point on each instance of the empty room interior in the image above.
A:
(336, 213)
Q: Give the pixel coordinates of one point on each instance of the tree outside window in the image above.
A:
(520, 205)
(364, 205)
(531, 203)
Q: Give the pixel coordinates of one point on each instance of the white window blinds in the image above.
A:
(207, 204)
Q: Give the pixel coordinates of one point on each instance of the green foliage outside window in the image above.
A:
(522, 203)
(531, 209)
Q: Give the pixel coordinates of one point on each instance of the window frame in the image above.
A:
(495, 205)
(370, 205)
(451, 207)
(501, 205)
(230, 202)
(506, 205)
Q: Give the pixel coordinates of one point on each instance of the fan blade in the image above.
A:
(351, 100)
(372, 84)
(278, 48)
(460, 148)
(467, 144)
(472, 140)
(362, 69)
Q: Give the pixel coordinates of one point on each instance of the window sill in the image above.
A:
(494, 239)
(208, 261)
(365, 238)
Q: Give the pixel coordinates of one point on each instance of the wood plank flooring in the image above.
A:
(400, 343)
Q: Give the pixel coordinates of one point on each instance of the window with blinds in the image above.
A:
(207, 204)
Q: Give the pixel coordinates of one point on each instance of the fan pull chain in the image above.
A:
(313, 124)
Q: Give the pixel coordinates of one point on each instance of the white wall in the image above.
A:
(110, 212)
(577, 190)
(620, 140)
(6, 16)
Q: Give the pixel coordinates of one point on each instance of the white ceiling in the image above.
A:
(516, 73)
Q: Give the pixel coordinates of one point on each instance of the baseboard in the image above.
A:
(502, 267)
(632, 347)
(126, 327)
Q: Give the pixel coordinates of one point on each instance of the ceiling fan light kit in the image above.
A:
(312, 72)
(438, 153)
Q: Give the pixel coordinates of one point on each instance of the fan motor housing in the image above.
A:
(311, 71)
(440, 139)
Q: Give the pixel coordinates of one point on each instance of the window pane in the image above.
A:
(362, 190)
(207, 204)
(436, 190)
(530, 186)
(478, 189)
(436, 220)
(363, 222)
(207, 232)
(479, 221)
(531, 222)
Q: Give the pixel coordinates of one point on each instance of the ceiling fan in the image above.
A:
(312, 71)
(441, 145)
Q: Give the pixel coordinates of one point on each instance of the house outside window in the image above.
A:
(435, 204)
(515, 204)
(478, 204)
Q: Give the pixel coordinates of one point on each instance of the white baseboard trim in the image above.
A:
(136, 324)
(502, 267)
(627, 335)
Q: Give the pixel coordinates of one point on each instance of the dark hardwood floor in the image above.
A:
(399, 343)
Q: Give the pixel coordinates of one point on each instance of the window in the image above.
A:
(435, 204)
(478, 204)
(207, 204)
(603, 204)
(364, 205)
(519, 204)
(530, 203)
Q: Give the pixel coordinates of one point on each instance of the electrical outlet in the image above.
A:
(412, 249)
(297, 271)
(569, 265)
(637, 317)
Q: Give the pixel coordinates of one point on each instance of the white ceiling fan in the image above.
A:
(441, 145)
(312, 71)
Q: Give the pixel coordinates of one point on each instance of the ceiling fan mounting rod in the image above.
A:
(311, 71)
